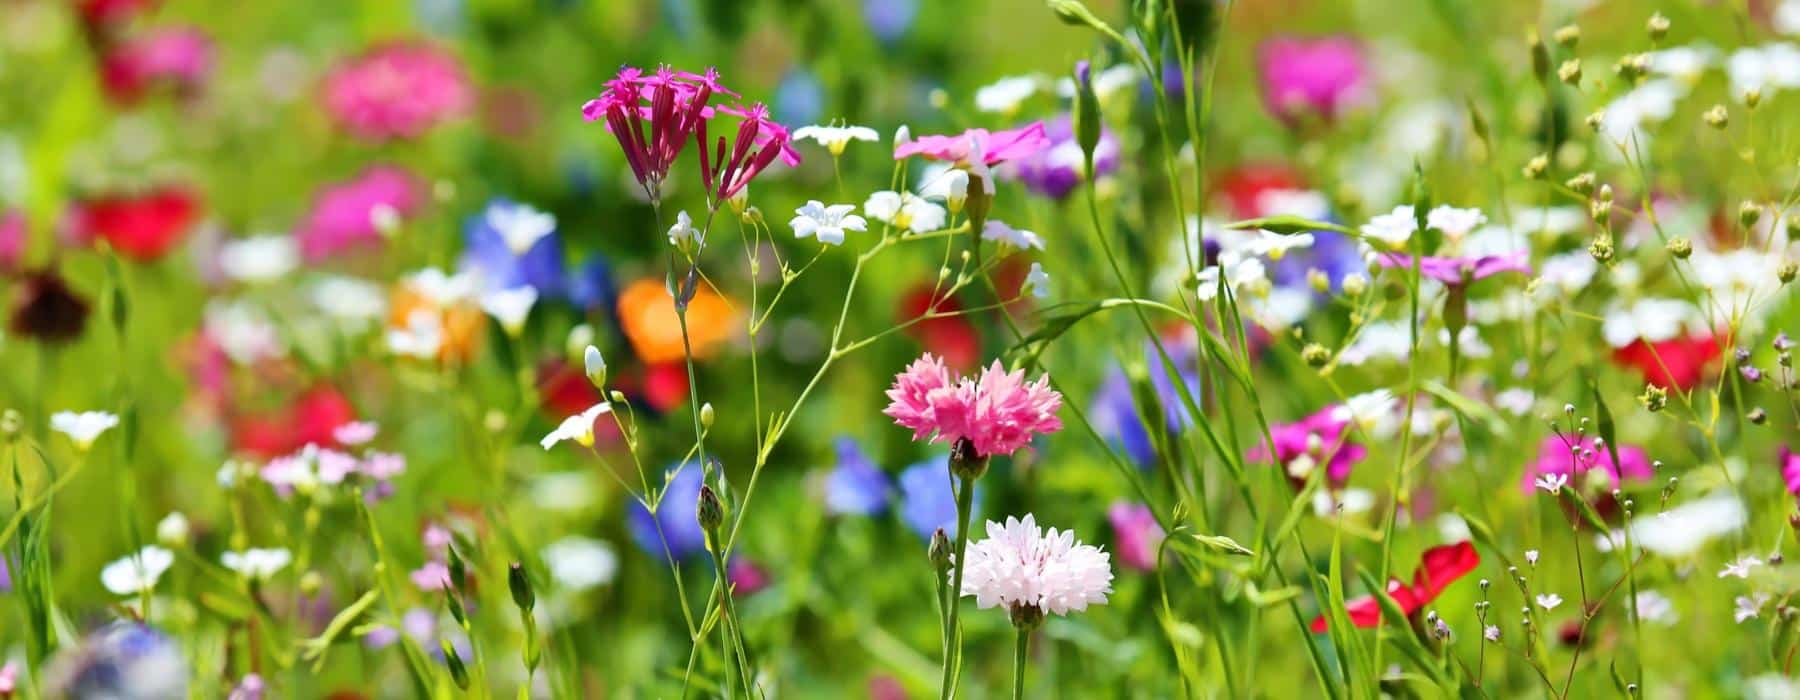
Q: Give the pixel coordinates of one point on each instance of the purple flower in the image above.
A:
(121, 660)
(674, 525)
(1114, 411)
(1319, 77)
(5, 577)
(499, 262)
(856, 486)
(1459, 271)
(889, 19)
(1055, 171)
(927, 501)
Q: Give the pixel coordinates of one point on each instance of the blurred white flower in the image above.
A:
(579, 427)
(1021, 565)
(1037, 282)
(1372, 412)
(1767, 68)
(1552, 483)
(997, 230)
(520, 225)
(242, 331)
(444, 289)
(1276, 245)
(1548, 601)
(905, 210)
(348, 300)
(835, 138)
(1741, 567)
(257, 564)
(354, 433)
(1649, 320)
(259, 258)
(510, 306)
(827, 223)
(1394, 228)
(1106, 83)
(1454, 222)
(682, 232)
(173, 529)
(138, 572)
(1653, 606)
(1749, 606)
(1685, 63)
(580, 563)
(84, 427)
(1006, 94)
(1680, 531)
(421, 338)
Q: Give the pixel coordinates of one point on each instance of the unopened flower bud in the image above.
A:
(1596, 119)
(1600, 210)
(1315, 355)
(1567, 36)
(1680, 247)
(617, 396)
(1318, 280)
(1540, 55)
(1087, 111)
(1786, 272)
(595, 366)
(1757, 416)
(709, 510)
(458, 672)
(1601, 249)
(1026, 616)
(1654, 398)
(956, 190)
(1717, 117)
(172, 530)
(1570, 72)
(1658, 26)
(1355, 284)
(520, 585)
(1631, 67)
(965, 462)
(310, 583)
(939, 552)
(706, 415)
(1536, 167)
(1749, 213)
(1583, 183)
(1753, 97)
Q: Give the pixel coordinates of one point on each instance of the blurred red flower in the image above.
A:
(143, 226)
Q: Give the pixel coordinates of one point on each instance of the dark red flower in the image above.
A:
(143, 227)
(310, 419)
(1679, 363)
(1438, 568)
(47, 309)
(566, 390)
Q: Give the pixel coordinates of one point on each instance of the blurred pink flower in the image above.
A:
(1790, 470)
(1136, 536)
(1322, 77)
(1556, 455)
(181, 58)
(990, 148)
(397, 90)
(12, 239)
(1316, 439)
(998, 412)
(1454, 270)
(346, 214)
(746, 577)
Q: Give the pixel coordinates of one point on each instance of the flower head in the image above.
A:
(579, 427)
(1548, 601)
(1459, 270)
(138, 572)
(674, 530)
(142, 226)
(998, 412)
(997, 230)
(180, 58)
(1056, 170)
(397, 91)
(1020, 565)
(856, 486)
(827, 224)
(927, 499)
(978, 146)
(357, 212)
(84, 427)
(257, 564)
(835, 138)
(1136, 535)
(905, 211)
(1321, 439)
(1438, 568)
(1321, 78)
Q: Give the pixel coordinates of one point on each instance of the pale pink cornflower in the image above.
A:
(397, 90)
(1021, 566)
(997, 412)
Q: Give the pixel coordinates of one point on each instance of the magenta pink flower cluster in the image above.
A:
(654, 116)
(1319, 437)
(1790, 470)
(1322, 77)
(997, 412)
(344, 215)
(397, 91)
(1577, 460)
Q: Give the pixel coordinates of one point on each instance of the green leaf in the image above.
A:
(1288, 225)
(1223, 544)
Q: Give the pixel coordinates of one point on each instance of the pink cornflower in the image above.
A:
(1317, 439)
(1136, 536)
(1322, 77)
(350, 213)
(978, 146)
(181, 58)
(997, 412)
(676, 106)
(1585, 461)
(1460, 270)
(397, 90)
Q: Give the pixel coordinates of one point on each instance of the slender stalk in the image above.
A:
(1019, 650)
(965, 502)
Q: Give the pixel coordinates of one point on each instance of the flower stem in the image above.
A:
(965, 502)
(1019, 663)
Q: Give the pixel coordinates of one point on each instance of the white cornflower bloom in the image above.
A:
(259, 258)
(683, 232)
(510, 306)
(1552, 483)
(420, 339)
(257, 564)
(905, 210)
(580, 563)
(579, 427)
(1455, 222)
(828, 224)
(520, 226)
(1020, 565)
(1548, 601)
(1037, 282)
(1394, 228)
(1740, 568)
(1749, 606)
(997, 230)
(84, 427)
(1006, 94)
(835, 138)
(138, 572)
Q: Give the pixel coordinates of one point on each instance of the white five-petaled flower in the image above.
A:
(1740, 568)
(520, 226)
(826, 223)
(1276, 245)
(1393, 228)
(1749, 606)
(1006, 94)
(1037, 281)
(1548, 601)
(420, 339)
(137, 572)
(580, 563)
(257, 564)
(1021, 565)
(259, 258)
(1552, 483)
(510, 306)
(579, 427)
(997, 230)
(683, 233)
(835, 138)
(1454, 222)
(84, 427)
(905, 210)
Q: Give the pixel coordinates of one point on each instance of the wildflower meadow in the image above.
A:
(899, 349)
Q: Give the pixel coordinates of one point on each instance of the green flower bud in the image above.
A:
(1681, 248)
(1315, 355)
(939, 552)
(520, 585)
(1567, 36)
(458, 672)
(1749, 213)
(1087, 113)
(709, 510)
(1657, 26)
(965, 463)
(1570, 72)
(1717, 117)
(1536, 167)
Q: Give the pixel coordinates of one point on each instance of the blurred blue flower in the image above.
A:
(1114, 411)
(856, 486)
(927, 501)
(1332, 253)
(488, 252)
(799, 98)
(889, 19)
(121, 660)
(592, 286)
(679, 528)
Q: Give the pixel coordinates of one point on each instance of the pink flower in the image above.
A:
(654, 116)
(1456, 271)
(1323, 76)
(1579, 460)
(12, 239)
(1316, 439)
(397, 90)
(345, 215)
(181, 58)
(433, 576)
(1790, 470)
(997, 412)
(746, 577)
(978, 145)
(1136, 534)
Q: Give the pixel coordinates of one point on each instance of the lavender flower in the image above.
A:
(857, 486)
(674, 525)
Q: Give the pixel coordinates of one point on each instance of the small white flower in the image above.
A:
(1454, 222)
(443, 289)
(354, 432)
(1020, 564)
(997, 230)
(259, 258)
(510, 306)
(1655, 607)
(580, 563)
(1394, 228)
(1552, 483)
(422, 337)
(1749, 606)
(1531, 557)
(1371, 411)
(84, 427)
(956, 184)
(1006, 94)
(1740, 568)
(828, 224)
(348, 300)
(1243, 275)
(1275, 245)
(1517, 401)
(905, 210)
(902, 136)
(1548, 601)
(520, 225)
(173, 529)
(1037, 282)
(835, 138)
(1491, 633)
(579, 427)
(257, 564)
(683, 232)
(138, 572)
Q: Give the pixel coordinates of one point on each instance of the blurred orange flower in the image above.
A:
(460, 323)
(647, 315)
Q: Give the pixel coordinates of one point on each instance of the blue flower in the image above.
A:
(679, 528)
(1114, 411)
(856, 486)
(889, 19)
(488, 252)
(121, 660)
(592, 286)
(926, 500)
(799, 98)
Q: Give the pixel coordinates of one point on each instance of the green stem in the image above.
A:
(965, 502)
(1019, 663)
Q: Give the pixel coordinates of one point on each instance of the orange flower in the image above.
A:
(648, 316)
(461, 322)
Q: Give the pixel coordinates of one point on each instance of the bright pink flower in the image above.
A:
(1321, 437)
(343, 215)
(1438, 568)
(1136, 535)
(12, 239)
(1456, 271)
(1790, 470)
(997, 412)
(181, 58)
(746, 577)
(397, 90)
(1322, 77)
(677, 107)
(142, 227)
(1558, 456)
(991, 148)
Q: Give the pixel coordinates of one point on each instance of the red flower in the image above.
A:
(1438, 567)
(310, 419)
(1679, 363)
(952, 338)
(143, 227)
(1244, 186)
